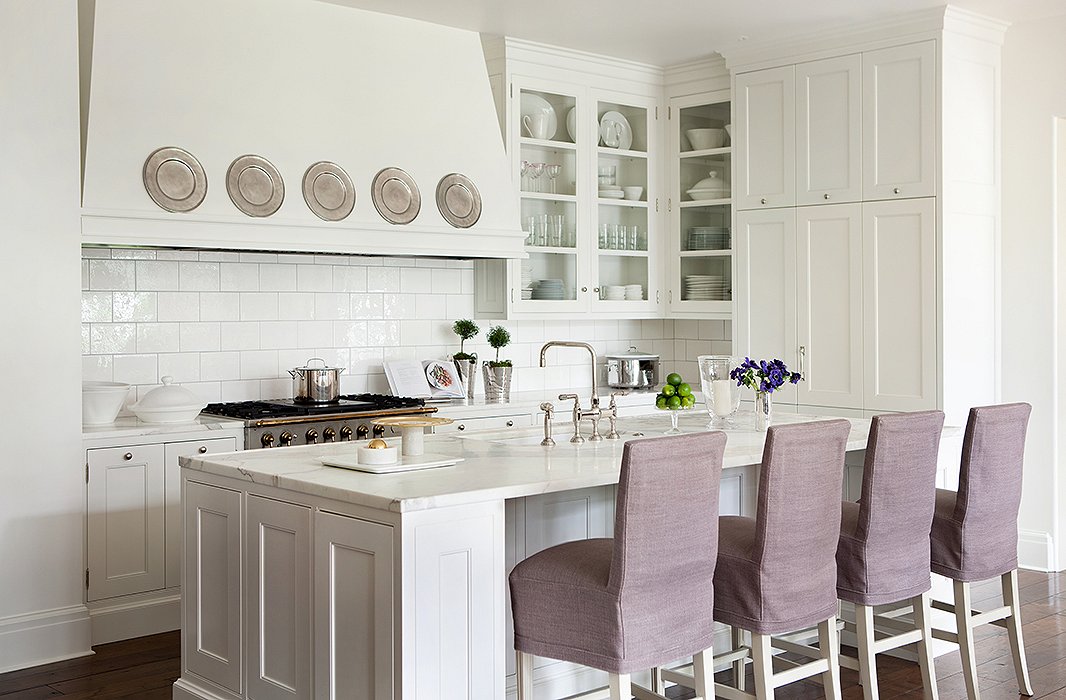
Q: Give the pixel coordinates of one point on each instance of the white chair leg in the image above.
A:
(762, 666)
(864, 631)
(657, 685)
(1009, 582)
(964, 623)
(621, 686)
(524, 669)
(736, 636)
(829, 644)
(703, 674)
(925, 648)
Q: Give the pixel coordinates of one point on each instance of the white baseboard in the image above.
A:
(186, 689)
(44, 637)
(1036, 550)
(135, 616)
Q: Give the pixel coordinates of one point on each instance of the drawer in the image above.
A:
(517, 420)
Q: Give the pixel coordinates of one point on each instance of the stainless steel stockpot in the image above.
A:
(316, 384)
(632, 370)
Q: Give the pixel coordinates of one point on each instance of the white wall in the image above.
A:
(1034, 62)
(42, 498)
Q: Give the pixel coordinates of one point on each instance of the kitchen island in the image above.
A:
(309, 581)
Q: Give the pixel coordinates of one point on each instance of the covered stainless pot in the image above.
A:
(316, 384)
(632, 370)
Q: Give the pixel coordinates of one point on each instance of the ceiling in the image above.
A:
(667, 33)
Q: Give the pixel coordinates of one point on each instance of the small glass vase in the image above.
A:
(764, 410)
(674, 430)
(721, 394)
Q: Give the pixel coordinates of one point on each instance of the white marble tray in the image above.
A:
(405, 464)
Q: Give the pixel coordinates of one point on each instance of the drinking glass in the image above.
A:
(535, 171)
(631, 238)
(720, 392)
(552, 171)
(603, 236)
(524, 172)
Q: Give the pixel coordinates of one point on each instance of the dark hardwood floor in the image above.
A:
(145, 668)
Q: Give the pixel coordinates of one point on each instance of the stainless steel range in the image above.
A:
(284, 422)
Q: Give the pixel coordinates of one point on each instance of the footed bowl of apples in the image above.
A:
(676, 395)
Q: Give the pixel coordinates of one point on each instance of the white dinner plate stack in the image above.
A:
(553, 290)
(527, 279)
(614, 292)
(706, 288)
(634, 292)
(708, 238)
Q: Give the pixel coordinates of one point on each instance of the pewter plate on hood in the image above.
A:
(458, 200)
(174, 179)
(255, 185)
(328, 191)
(396, 196)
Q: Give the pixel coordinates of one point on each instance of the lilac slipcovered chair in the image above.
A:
(644, 597)
(777, 572)
(883, 553)
(975, 532)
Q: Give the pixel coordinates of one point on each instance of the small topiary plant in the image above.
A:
(499, 337)
(465, 329)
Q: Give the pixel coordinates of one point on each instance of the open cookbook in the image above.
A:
(434, 379)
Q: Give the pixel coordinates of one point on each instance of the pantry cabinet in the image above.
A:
(765, 138)
(829, 131)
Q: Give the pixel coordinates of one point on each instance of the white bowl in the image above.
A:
(101, 401)
(702, 139)
(382, 455)
(701, 195)
(632, 192)
(175, 414)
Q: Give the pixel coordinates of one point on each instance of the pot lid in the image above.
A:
(168, 396)
(632, 354)
(710, 183)
(323, 367)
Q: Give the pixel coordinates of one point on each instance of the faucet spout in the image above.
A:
(574, 344)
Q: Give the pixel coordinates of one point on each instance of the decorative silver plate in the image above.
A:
(255, 185)
(328, 191)
(396, 196)
(458, 200)
(174, 179)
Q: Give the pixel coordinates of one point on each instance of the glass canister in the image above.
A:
(720, 393)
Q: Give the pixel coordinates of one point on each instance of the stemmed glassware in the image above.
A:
(535, 170)
(552, 172)
(524, 172)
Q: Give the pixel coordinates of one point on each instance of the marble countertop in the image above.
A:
(529, 402)
(496, 464)
(131, 426)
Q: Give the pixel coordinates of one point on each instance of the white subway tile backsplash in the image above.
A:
(332, 306)
(219, 366)
(219, 256)
(86, 344)
(203, 336)
(446, 281)
(136, 369)
(431, 306)
(97, 368)
(295, 306)
(259, 306)
(686, 328)
(458, 306)
(157, 275)
(382, 279)
(259, 257)
(132, 254)
(314, 334)
(240, 335)
(259, 364)
(651, 329)
(415, 280)
(112, 275)
(367, 306)
(399, 306)
(198, 276)
(96, 307)
(239, 277)
(349, 278)
(157, 337)
(85, 274)
(349, 334)
(466, 278)
(314, 278)
(383, 333)
(280, 388)
(320, 259)
(95, 253)
(220, 306)
(134, 306)
(277, 278)
(278, 334)
(414, 332)
(177, 306)
(177, 255)
(246, 390)
(182, 366)
(112, 338)
(208, 392)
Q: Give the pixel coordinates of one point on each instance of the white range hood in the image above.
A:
(295, 82)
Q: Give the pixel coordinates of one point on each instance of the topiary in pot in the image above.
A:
(498, 337)
(465, 329)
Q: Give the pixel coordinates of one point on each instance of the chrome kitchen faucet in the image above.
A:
(593, 413)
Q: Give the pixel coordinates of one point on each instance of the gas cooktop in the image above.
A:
(348, 404)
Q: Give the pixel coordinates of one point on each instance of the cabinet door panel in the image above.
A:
(212, 632)
(279, 599)
(766, 289)
(829, 131)
(899, 122)
(125, 534)
(829, 326)
(899, 292)
(353, 608)
(173, 450)
(766, 138)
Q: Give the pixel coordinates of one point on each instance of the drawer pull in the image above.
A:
(461, 427)
(510, 424)
(203, 449)
(895, 190)
(128, 456)
(762, 201)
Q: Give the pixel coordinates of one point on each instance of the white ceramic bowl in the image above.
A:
(101, 401)
(706, 138)
(383, 455)
(632, 192)
(170, 403)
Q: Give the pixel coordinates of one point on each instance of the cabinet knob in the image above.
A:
(596, 290)
(461, 427)
(584, 289)
(895, 190)
(510, 424)
(128, 456)
(762, 201)
(203, 449)
(826, 195)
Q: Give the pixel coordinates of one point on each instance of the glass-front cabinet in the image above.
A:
(700, 206)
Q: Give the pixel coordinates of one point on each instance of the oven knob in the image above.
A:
(379, 431)
(361, 432)
(312, 436)
(267, 439)
(346, 432)
(329, 435)
(286, 439)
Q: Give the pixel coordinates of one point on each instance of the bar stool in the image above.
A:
(975, 533)
(643, 598)
(777, 572)
(884, 542)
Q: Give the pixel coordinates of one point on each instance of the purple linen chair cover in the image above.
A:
(883, 554)
(777, 572)
(975, 530)
(645, 597)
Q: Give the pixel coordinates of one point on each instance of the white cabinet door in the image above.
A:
(765, 246)
(125, 520)
(278, 595)
(212, 633)
(829, 328)
(353, 566)
(829, 131)
(899, 122)
(765, 143)
(899, 294)
(173, 450)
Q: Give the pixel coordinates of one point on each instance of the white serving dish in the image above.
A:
(371, 456)
(702, 139)
(170, 403)
(101, 401)
(615, 131)
(532, 104)
(403, 464)
(633, 192)
(704, 194)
